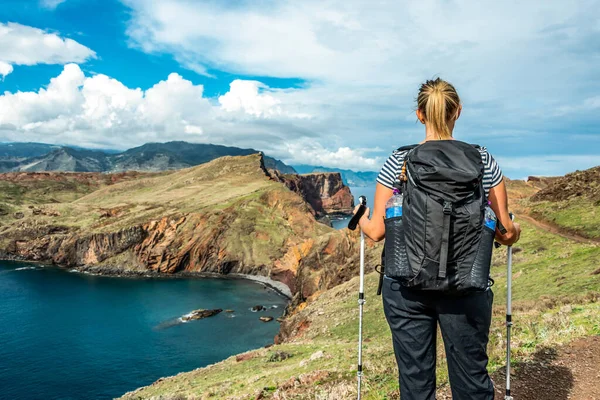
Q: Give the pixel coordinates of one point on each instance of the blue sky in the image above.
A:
(313, 82)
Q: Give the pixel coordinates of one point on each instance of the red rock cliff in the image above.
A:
(324, 191)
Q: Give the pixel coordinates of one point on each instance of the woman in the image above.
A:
(413, 315)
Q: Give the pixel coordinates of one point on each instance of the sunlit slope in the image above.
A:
(216, 182)
(87, 201)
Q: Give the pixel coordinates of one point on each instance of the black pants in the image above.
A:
(465, 324)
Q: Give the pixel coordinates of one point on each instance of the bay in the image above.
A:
(74, 336)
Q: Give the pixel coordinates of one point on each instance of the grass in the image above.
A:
(548, 265)
(555, 301)
(43, 191)
(579, 215)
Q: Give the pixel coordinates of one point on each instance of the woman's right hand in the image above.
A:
(511, 237)
(518, 231)
(499, 199)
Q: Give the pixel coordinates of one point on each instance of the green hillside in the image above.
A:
(571, 202)
(556, 291)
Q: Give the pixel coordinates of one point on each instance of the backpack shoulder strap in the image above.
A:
(408, 149)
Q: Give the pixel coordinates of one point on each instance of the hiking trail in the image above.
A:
(556, 230)
(568, 372)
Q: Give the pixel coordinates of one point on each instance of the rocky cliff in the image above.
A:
(325, 192)
(229, 216)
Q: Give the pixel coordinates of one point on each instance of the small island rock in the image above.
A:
(200, 314)
(266, 319)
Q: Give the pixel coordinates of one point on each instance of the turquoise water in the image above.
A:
(74, 336)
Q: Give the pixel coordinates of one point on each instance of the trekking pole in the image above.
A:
(508, 320)
(507, 396)
(361, 290)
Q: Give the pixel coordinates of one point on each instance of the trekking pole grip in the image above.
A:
(361, 210)
(502, 229)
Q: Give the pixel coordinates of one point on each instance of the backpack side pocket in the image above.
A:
(396, 260)
(479, 273)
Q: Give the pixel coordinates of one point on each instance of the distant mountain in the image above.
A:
(19, 151)
(148, 157)
(350, 178)
(68, 159)
(175, 155)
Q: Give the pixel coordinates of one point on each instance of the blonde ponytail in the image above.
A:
(439, 103)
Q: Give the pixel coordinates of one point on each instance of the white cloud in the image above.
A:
(253, 98)
(99, 111)
(312, 153)
(486, 43)
(243, 96)
(25, 45)
(5, 69)
(61, 97)
(547, 165)
(592, 103)
(51, 4)
(194, 129)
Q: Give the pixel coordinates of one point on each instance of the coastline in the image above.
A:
(279, 287)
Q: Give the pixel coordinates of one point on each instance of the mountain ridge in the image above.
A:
(153, 157)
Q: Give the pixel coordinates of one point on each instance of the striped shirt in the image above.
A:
(393, 166)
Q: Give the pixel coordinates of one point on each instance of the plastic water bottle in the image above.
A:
(393, 207)
(490, 218)
(483, 260)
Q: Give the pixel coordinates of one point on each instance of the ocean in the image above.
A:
(67, 335)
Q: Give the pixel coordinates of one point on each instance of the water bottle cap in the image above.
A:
(489, 203)
(395, 191)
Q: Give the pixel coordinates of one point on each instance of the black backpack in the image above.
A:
(440, 243)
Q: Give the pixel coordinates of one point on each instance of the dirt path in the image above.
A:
(570, 372)
(557, 230)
